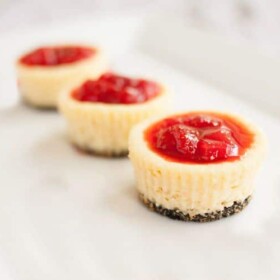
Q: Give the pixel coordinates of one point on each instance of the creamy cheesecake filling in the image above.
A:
(193, 188)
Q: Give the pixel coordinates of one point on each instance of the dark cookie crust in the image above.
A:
(176, 214)
(108, 154)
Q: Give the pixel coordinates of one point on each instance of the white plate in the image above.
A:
(66, 215)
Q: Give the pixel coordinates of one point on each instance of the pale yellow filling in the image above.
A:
(40, 86)
(193, 188)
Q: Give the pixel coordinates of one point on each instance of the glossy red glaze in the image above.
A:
(52, 56)
(115, 89)
(199, 137)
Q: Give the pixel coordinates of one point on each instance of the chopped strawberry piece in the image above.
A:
(178, 138)
(211, 150)
(222, 134)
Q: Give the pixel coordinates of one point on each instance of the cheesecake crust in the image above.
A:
(177, 214)
(108, 154)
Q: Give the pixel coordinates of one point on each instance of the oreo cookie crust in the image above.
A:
(176, 214)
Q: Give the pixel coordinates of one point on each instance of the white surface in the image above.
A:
(66, 215)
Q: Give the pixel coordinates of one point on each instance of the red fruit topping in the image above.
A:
(210, 150)
(202, 121)
(199, 138)
(115, 89)
(178, 138)
(51, 56)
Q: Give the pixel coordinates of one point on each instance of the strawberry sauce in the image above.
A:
(199, 138)
(53, 56)
(115, 89)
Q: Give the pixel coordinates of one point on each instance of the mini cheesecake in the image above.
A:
(44, 72)
(196, 166)
(100, 113)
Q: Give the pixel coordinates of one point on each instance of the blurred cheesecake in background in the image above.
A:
(100, 113)
(44, 72)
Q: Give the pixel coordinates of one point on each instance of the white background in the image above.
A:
(255, 20)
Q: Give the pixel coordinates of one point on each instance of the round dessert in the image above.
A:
(196, 166)
(44, 72)
(100, 113)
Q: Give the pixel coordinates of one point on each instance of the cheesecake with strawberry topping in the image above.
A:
(196, 166)
(44, 72)
(100, 113)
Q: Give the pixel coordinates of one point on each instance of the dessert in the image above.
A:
(196, 166)
(100, 113)
(44, 72)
